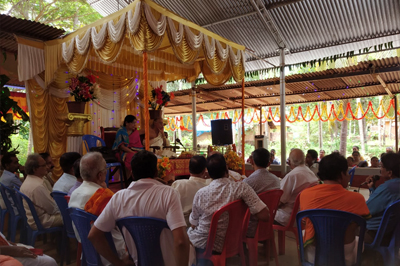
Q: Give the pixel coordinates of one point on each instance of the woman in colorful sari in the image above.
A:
(128, 137)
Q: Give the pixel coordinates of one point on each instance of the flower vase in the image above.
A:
(76, 107)
(154, 114)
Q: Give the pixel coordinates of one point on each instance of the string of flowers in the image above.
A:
(84, 88)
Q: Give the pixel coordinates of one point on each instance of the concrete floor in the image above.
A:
(289, 259)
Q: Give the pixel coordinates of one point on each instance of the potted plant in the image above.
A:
(7, 126)
(84, 89)
(159, 99)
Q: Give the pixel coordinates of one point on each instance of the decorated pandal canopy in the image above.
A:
(141, 43)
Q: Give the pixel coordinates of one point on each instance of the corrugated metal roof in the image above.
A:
(333, 84)
(25, 28)
(312, 29)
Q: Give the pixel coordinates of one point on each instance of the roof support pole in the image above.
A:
(243, 131)
(282, 110)
(396, 125)
(261, 120)
(194, 115)
(146, 103)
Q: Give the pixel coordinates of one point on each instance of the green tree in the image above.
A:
(66, 14)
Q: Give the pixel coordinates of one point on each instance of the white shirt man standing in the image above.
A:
(187, 188)
(292, 184)
(146, 197)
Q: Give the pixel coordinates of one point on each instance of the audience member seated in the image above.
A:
(389, 149)
(34, 188)
(22, 254)
(321, 155)
(9, 178)
(357, 159)
(77, 174)
(93, 172)
(144, 198)
(211, 198)
(274, 159)
(187, 188)
(332, 194)
(374, 162)
(299, 178)
(48, 179)
(356, 148)
(384, 195)
(67, 180)
(128, 137)
(260, 180)
(312, 161)
(350, 162)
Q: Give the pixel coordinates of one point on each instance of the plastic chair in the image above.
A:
(264, 229)
(330, 228)
(13, 216)
(90, 141)
(289, 227)
(83, 223)
(352, 171)
(391, 218)
(233, 237)
(59, 198)
(146, 233)
(32, 234)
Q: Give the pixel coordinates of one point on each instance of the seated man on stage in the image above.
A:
(158, 138)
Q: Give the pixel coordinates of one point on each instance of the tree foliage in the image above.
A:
(66, 14)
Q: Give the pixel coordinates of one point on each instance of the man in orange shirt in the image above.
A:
(333, 195)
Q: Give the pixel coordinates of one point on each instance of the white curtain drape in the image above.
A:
(30, 61)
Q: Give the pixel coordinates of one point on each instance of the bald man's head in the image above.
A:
(296, 158)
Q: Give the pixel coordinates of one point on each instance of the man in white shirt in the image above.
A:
(187, 188)
(299, 178)
(144, 198)
(34, 189)
(11, 164)
(93, 171)
(67, 180)
(221, 191)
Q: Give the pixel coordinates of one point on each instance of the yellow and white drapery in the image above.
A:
(141, 40)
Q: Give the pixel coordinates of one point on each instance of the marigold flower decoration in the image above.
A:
(160, 98)
(84, 88)
(233, 161)
(163, 167)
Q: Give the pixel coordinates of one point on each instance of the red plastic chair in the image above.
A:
(233, 238)
(264, 229)
(289, 227)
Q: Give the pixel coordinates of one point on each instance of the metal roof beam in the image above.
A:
(269, 23)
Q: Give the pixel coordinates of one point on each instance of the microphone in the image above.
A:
(179, 141)
(374, 178)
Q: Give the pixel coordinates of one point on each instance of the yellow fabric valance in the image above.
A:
(175, 44)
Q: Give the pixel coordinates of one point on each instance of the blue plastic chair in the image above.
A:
(351, 173)
(40, 229)
(3, 213)
(146, 233)
(391, 218)
(62, 204)
(90, 141)
(83, 223)
(13, 216)
(330, 228)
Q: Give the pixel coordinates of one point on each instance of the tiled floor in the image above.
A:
(289, 259)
